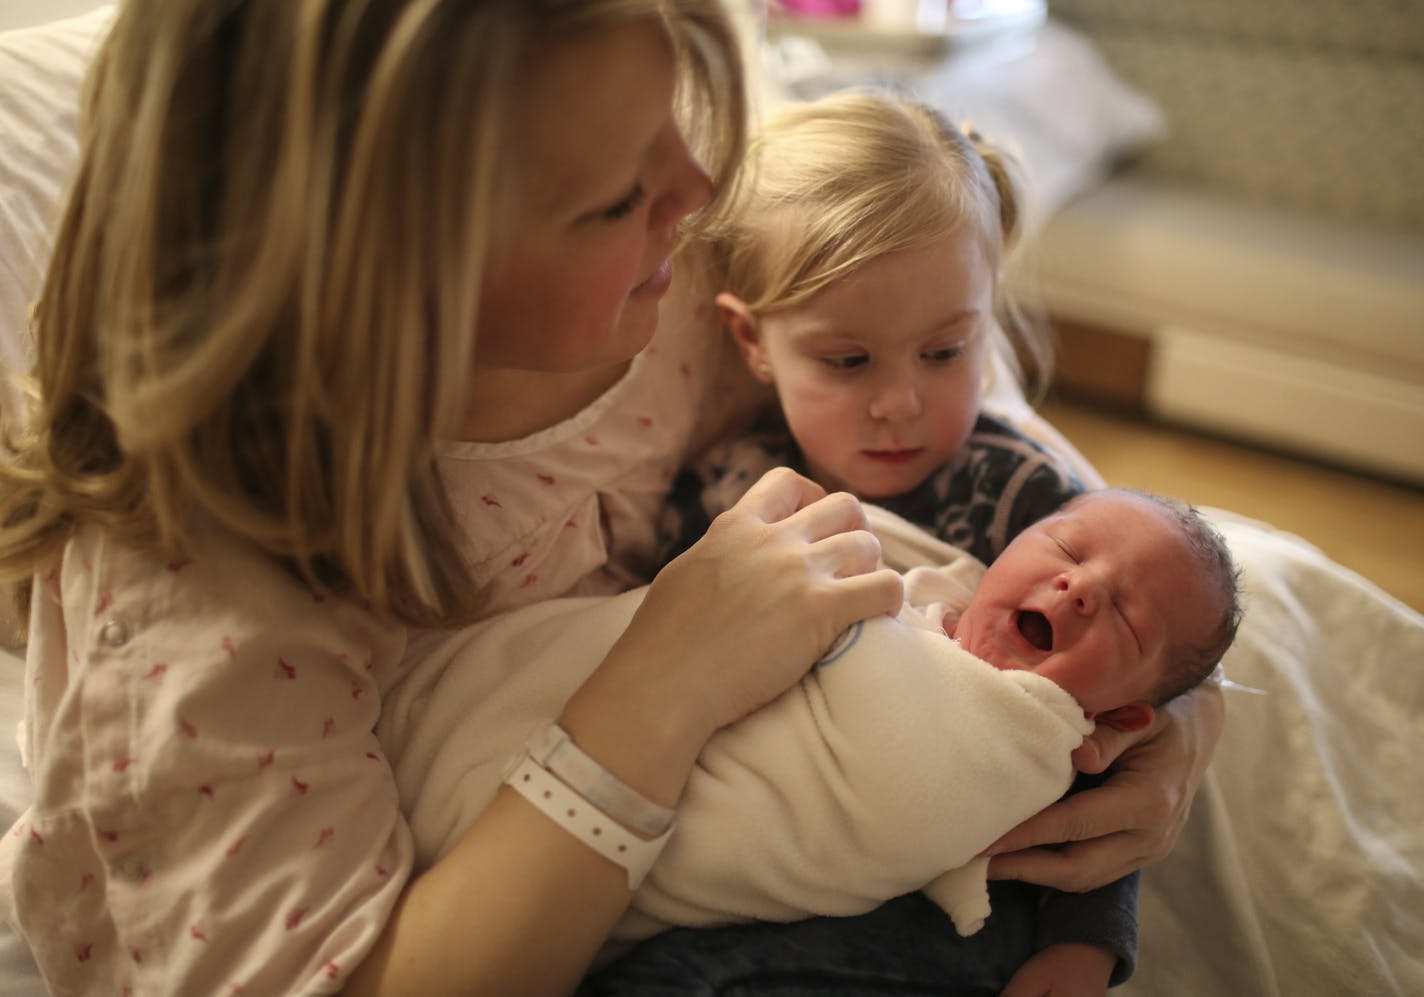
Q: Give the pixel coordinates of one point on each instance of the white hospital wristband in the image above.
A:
(551, 747)
(586, 822)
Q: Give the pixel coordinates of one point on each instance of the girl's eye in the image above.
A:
(846, 362)
(945, 354)
(625, 207)
(1067, 551)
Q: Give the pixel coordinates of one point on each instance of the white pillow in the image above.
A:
(1051, 99)
(41, 75)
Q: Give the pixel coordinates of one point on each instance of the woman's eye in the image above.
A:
(625, 207)
(846, 362)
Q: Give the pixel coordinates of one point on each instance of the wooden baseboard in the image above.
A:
(1101, 365)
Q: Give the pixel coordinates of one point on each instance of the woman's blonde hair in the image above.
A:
(262, 304)
(836, 183)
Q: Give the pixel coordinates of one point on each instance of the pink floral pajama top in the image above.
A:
(213, 811)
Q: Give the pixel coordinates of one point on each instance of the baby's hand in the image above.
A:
(1068, 970)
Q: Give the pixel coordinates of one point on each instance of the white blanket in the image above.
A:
(889, 767)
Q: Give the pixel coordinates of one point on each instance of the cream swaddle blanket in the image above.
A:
(888, 768)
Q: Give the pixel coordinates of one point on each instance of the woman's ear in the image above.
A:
(742, 326)
(1129, 718)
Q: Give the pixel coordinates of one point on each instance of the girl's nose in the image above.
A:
(1079, 590)
(896, 401)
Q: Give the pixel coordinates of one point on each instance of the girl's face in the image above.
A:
(879, 374)
(601, 179)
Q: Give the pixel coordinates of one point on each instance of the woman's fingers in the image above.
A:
(783, 573)
(874, 593)
(842, 555)
(838, 512)
(1133, 818)
(1119, 805)
(778, 494)
(782, 495)
(1075, 867)
(1106, 744)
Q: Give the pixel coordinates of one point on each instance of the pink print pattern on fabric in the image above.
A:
(572, 510)
(134, 871)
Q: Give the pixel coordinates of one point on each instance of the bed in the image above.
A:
(1301, 870)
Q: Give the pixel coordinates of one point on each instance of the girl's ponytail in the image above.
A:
(1027, 347)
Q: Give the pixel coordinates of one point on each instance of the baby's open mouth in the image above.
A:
(1036, 629)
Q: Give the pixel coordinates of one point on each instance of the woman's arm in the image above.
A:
(519, 906)
(1134, 818)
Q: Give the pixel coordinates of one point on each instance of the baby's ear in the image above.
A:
(742, 326)
(1129, 718)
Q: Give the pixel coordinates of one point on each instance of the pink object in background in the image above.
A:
(820, 8)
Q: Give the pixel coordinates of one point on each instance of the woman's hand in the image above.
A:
(753, 604)
(728, 626)
(1134, 818)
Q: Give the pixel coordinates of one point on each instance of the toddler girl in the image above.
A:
(861, 274)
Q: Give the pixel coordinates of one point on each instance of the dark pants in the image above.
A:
(906, 947)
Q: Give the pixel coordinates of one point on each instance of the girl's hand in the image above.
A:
(1068, 970)
(1134, 818)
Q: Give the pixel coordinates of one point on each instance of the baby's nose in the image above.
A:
(1080, 590)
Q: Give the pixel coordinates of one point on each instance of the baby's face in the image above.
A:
(879, 374)
(1094, 598)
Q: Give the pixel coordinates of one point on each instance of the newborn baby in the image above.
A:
(917, 741)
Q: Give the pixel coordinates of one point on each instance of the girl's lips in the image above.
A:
(658, 282)
(893, 456)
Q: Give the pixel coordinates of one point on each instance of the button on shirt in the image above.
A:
(212, 808)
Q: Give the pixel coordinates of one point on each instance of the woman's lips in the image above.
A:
(658, 282)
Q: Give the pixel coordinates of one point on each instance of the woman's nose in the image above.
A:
(896, 401)
(688, 188)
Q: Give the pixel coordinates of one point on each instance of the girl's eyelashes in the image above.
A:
(626, 206)
(944, 354)
(1067, 551)
(846, 362)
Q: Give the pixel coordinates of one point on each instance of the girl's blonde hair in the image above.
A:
(262, 306)
(841, 181)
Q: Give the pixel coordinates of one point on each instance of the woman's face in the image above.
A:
(879, 374)
(602, 177)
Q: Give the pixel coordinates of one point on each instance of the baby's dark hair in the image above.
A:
(1188, 665)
